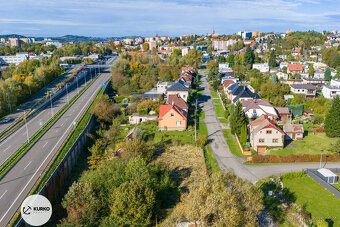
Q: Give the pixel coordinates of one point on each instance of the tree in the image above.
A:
(211, 64)
(145, 46)
(132, 204)
(244, 135)
(104, 109)
(231, 60)
(221, 200)
(332, 121)
(311, 71)
(237, 119)
(272, 59)
(328, 74)
(249, 57)
(193, 57)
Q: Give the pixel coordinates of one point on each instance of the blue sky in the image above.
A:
(107, 18)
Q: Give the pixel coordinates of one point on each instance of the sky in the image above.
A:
(114, 18)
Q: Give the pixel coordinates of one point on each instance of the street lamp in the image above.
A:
(321, 158)
(77, 84)
(67, 93)
(49, 93)
(9, 100)
(28, 138)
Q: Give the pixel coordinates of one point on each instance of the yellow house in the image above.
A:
(172, 118)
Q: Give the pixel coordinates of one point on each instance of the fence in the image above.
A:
(240, 146)
(219, 95)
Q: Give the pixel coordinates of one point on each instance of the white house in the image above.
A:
(282, 75)
(283, 64)
(14, 59)
(262, 67)
(223, 67)
(138, 119)
(163, 86)
(332, 90)
(254, 108)
(305, 89)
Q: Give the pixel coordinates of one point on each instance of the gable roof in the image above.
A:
(177, 101)
(256, 104)
(178, 87)
(243, 92)
(164, 109)
(263, 122)
(227, 83)
(282, 110)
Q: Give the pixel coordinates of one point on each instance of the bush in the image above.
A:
(293, 175)
(321, 223)
(202, 140)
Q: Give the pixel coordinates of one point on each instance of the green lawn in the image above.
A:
(219, 110)
(227, 133)
(234, 148)
(318, 201)
(217, 101)
(210, 160)
(223, 120)
(337, 186)
(214, 94)
(311, 144)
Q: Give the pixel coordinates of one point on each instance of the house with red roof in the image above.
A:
(226, 85)
(265, 134)
(176, 100)
(295, 68)
(172, 118)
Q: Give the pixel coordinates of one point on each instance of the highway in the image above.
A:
(11, 144)
(17, 183)
(36, 99)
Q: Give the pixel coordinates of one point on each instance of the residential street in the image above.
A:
(228, 161)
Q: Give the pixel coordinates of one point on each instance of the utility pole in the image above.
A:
(321, 158)
(9, 100)
(51, 104)
(28, 138)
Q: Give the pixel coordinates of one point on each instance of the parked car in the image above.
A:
(6, 120)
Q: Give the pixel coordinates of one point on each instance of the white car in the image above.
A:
(6, 120)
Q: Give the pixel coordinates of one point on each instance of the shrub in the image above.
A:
(293, 158)
(202, 140)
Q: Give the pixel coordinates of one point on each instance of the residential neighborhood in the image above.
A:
(170, 113)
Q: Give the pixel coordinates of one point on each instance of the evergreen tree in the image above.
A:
(311, 71)
(332, 121)
(249, 56)
(244, 135)
(328, 74)
(237, 119)
(275, 79)
(272, 59)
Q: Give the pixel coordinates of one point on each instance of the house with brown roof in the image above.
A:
(265, 134)
(176, 100)
(295, 68)
(172, 118)
(226, 85)
(255, 108)
(284, 115)
(293, 131)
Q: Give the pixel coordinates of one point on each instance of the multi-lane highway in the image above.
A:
(36, 99)
(17, 183)
(11, 144)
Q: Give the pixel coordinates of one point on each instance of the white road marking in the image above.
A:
(7, 148)
(3, 194)
(62, 125)
(28, 165)
(29, 181)
(45, 144)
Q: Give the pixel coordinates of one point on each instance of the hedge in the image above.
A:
(294, 158)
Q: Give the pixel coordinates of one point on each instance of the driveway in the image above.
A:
(228, 161)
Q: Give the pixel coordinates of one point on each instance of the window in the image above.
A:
(275, 140)
(171, 115)
(269, 132)
(178, 123)
(261, 140)
(184, 96)
(254, 111)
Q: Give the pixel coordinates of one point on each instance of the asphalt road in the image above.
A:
(11, 144)
(227, 161)
(17, 183)
(36, 99)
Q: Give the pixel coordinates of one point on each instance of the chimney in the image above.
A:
(172, 103)
(244, 88)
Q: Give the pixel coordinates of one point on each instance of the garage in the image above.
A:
(261, 149)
